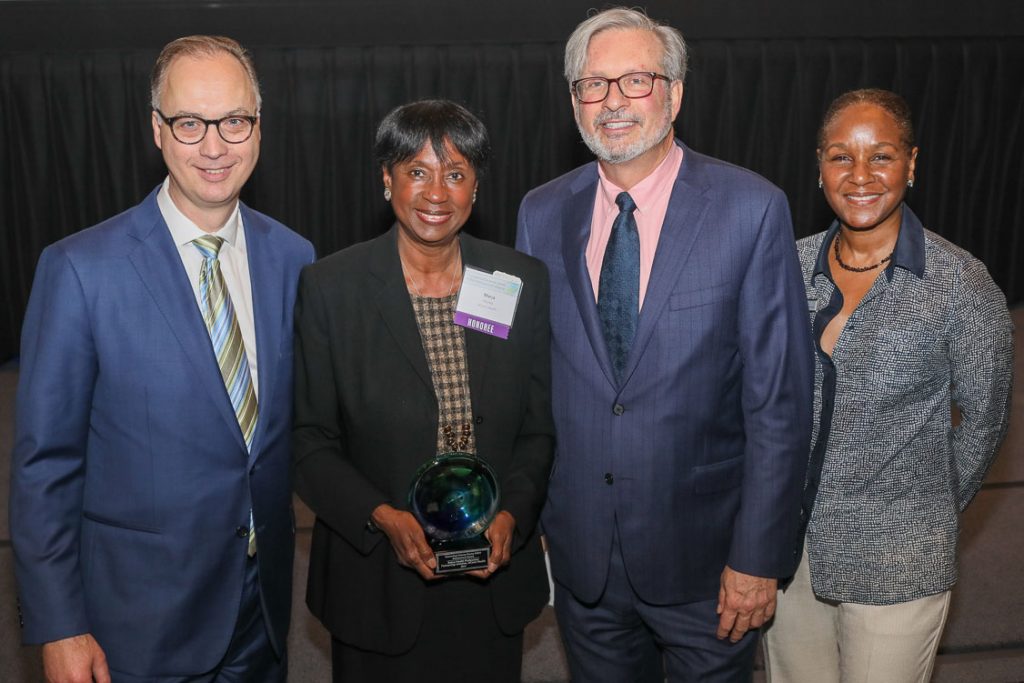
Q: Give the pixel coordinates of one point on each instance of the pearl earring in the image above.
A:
(474, 196)
(910, 183)
(821, 183)
(387, 194)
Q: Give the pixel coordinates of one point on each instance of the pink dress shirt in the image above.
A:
(651, 196)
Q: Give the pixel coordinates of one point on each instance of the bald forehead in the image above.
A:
(192, 81)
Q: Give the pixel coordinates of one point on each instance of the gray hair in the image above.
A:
(199, 46)
(674, 57)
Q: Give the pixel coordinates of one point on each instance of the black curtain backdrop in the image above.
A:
(76, 145)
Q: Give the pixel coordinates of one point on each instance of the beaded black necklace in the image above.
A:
(855, 269)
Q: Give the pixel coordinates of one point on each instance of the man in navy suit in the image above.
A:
(681, 377)
(150, 497)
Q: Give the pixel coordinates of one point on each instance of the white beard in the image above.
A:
(634, 149)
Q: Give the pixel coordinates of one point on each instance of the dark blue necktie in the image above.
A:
(618, 297)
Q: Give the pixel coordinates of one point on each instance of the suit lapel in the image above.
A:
(395, 306)
(159, 267)
(265, 277)
(577, 215)
(684, 221)
(479, 346)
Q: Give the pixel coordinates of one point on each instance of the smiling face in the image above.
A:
(865, 167)
(431, 198)
(620, 129)
(206, 178)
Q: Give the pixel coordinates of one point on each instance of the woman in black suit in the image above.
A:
(384, 381)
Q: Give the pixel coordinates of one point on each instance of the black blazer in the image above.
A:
(366, 418)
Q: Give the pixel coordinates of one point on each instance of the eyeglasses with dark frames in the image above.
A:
(634, 85)
(190, 130)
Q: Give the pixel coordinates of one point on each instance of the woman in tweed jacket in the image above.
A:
(904, 324)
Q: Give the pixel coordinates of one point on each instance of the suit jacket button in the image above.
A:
(619, 409)
(608, 478)
(479, 419)
(241, 532)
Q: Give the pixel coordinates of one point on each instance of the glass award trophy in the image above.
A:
(454, 497)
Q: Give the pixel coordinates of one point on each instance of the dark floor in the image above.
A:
(983, 641)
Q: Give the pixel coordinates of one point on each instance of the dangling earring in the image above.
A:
(387, 194)
(474, 196)
(910, 182)
(821, 183)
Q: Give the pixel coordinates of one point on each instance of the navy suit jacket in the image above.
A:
(699, 455)
(130, 476)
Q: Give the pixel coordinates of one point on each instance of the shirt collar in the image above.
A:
(908, 254)
(651, 187)
(183, 230)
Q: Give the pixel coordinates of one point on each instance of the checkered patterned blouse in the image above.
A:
(444, 343)
(890, 471)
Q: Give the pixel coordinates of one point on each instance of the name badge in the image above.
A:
(487, 301)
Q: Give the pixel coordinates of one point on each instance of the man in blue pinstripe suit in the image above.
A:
(683, 428)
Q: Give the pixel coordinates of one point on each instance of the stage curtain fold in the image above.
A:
(76, 141)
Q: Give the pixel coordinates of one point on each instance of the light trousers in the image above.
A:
(819, 641)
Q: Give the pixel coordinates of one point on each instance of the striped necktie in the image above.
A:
(226, 335)
(219, 314)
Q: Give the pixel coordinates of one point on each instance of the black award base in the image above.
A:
(461, 556)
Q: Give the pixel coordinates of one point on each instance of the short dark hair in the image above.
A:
(892, 103)
(406, 128)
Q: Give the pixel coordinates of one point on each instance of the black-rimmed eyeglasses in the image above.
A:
(190, 130)
(633, 85)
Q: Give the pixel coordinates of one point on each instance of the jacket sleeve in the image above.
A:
(777, 356)
(55, 388)
(524, 488)
(324, 475)
(981, 369)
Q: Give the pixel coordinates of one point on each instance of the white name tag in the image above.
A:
(487, 301)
